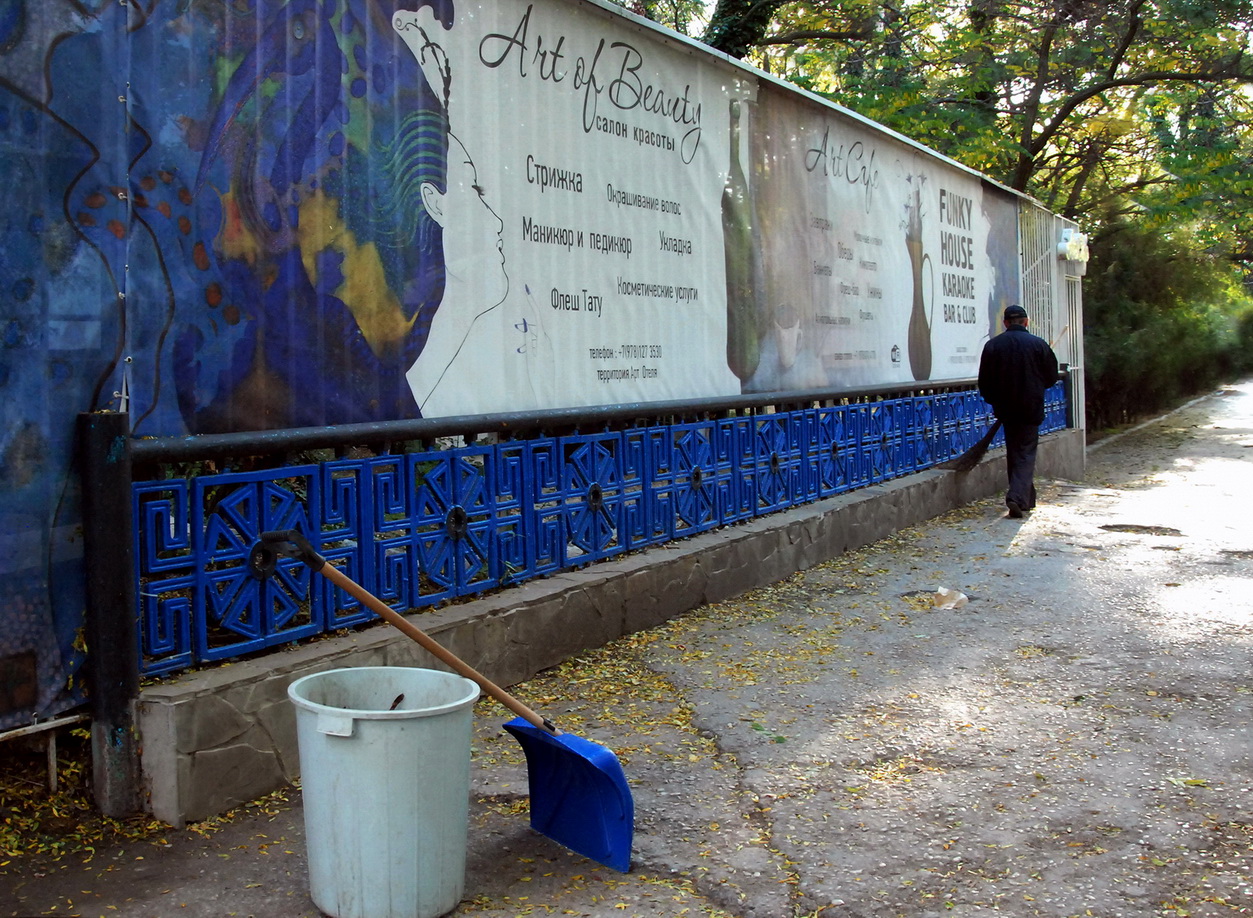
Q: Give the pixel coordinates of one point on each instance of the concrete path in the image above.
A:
(1074, 740)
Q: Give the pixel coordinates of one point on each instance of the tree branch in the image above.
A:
(1033, 145)
(737, 25)
(1031, 110)
(801, 35)
(1133, 29)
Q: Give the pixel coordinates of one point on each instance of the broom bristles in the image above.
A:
(970, 458)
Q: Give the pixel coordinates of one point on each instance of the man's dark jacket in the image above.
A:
(1015, 370)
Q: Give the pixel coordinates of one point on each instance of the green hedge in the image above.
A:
(1163, 320)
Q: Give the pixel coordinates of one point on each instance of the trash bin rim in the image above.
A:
(400, 713)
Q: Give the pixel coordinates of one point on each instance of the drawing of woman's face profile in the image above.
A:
(474, 249)
(456, 231)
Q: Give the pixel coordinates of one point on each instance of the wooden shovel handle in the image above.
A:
(437, 650)
(292, 543)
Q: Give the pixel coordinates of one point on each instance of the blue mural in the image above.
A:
(209, 223)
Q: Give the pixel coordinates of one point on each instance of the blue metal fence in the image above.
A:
(426, 527)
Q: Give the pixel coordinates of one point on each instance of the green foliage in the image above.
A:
(1133, 117)
(680, 15)
(1081, 103)
(1163, 320)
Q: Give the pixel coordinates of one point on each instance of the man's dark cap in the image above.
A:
(1015, 312)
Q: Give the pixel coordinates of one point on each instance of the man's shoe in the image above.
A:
(1015, 510)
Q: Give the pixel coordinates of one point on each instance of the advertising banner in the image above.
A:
(581, 231)
(879, 264)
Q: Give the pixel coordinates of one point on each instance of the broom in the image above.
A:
(970, 458)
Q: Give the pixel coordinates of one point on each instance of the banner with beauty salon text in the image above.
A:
(587, 266)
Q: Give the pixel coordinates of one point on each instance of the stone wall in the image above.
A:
(217, 738)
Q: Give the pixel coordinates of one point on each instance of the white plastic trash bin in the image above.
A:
(385, 770)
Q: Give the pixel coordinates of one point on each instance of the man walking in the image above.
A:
(1015, 370)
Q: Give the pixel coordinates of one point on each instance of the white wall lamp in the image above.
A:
(1074, 246)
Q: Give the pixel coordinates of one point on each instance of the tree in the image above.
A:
(1081, 103)
(679, 15)
(1167, 320)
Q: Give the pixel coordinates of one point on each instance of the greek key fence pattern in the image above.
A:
(426, 527)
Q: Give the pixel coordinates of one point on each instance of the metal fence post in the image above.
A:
(1068, 389)
(111, 624)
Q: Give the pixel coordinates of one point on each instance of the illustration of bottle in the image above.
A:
(743, 263)
(919, 325)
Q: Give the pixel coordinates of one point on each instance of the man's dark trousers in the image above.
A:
(1021, 441)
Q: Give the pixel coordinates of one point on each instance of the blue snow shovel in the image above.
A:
(579, 794)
